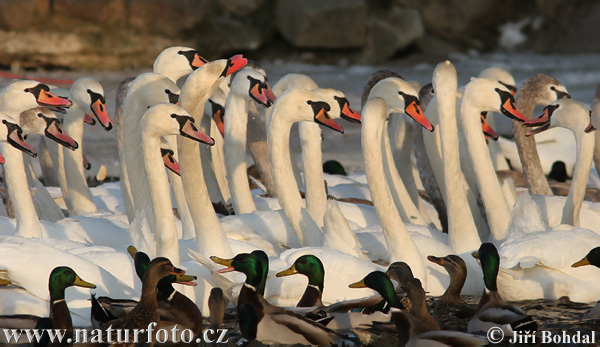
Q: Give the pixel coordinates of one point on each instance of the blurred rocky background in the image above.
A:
(118, 34)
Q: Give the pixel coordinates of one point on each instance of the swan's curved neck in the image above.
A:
(210, 238)
(495, 204)
(79, 194)
(28, 224)
(462, 232)
(314, 180)
(167, 243)
(236, 125)
(581, 173)
(400, 245)
(307, 231)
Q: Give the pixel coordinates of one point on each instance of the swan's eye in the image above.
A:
(26, 90)
(309, 102)
(40, 115)
(4, 121)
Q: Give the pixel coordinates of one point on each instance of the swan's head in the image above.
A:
(11, 132)
(89, 94)
(543, 89)
(340, 106)
(215, 109)
(488, 95)
(252, 82)
(149, 89)
(169, 158)
(175, 62)
(401, 97)
(300, 105)
(168, 119)
(234, 64)
(42, 121)
(502, 76)
(26, 94)
(565, 113)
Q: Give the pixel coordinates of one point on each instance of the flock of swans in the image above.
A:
(182, 148)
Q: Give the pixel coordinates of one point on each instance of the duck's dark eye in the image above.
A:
(40, 115)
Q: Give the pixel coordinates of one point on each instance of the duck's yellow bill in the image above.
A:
(475, 254)
(81, 283)
(132, 251)
(186, 280)
(221, 261)
(582, 262)
(359, 284)
(4, 283)
(439, 261)
(291, 271)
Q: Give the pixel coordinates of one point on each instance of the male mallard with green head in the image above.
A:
(492, 310)
(273, 324)
(311, 267)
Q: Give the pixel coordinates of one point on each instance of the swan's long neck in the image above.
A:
(462, 232)
(400, 245)
(528, 154)
(28, 224)
(307, 231)
(56, 154)
(132, 144)
(585, 155)
(187, 224)
(79, 194)
(210, 238)
(407, 209)
(498, 213)
(236, 125)
(314, 180)
(167, 243)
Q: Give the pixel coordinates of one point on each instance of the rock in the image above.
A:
(322, 23)
(74, 14)
(166, 17)
(241, 8)
(16, 15)
(392, 31)
(431, 45)
(229, 35)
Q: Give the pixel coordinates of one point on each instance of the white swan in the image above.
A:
(158, 121)
(480, 95)
(248, 84)
(15, 98)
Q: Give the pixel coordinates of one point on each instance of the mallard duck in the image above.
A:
(311, 267)
(146, 310)
(416, 294)
(60, 279)
(457, 269)
(273, 324)
(173, 307)
(217, 303)
(592, 258)
(492, 311)
(411, 330)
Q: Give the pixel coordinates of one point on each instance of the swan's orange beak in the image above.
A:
(349, 114)
(508, 106)
(99, 110)
(170, 161)
(590, 126)
(198, 61)
(89, 120)
(56, 133)
(188, 129)
(2, 160)
(45, 98)
(234, 64)
(413, 109)
(219, 118)
(15, 138)
(487, 129)
(320, 109)
(259, 93)
(269, 93)
(543, 121)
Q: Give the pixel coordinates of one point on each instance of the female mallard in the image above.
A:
(311, 267)
(61, 278)
(146, 311)
(492, 310)
(457, 269)
(273, 323)
(173, 307)
(413, 331)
